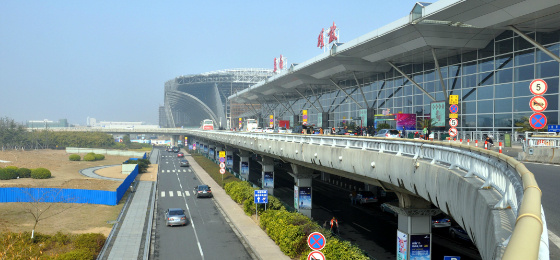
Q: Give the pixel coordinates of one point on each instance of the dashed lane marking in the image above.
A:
(170, 193)
(162, 194)
(179, 193)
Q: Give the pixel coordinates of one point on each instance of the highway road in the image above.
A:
(207, 235)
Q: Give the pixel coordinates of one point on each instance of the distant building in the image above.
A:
(92, 122)
(45, 123)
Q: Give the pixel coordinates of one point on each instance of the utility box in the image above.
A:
(507, 140)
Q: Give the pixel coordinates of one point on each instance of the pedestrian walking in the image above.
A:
(334, 226)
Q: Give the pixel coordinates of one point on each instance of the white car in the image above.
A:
(281, 130)
(392, 133)
(258, 130)
(269, 130)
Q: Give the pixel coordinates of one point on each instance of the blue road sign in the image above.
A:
(537, 121)
(316, 241)
(222, 159)
(554, 128)
(453, 109)
(261, 196)
(451, 258)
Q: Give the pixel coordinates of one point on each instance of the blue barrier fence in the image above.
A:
(54, 195)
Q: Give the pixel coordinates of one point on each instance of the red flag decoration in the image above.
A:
(321, 40)
(274, 65)
(332, 35)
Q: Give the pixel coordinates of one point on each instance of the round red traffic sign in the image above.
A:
(453, 122)
(537, 121)
(222, 165)
(538, 104)
(316, 255)
(222, 170)
(538, 87)
(316, 241)
(453, 131)
(453, 109)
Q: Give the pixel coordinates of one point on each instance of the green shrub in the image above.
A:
(89, 157)
(92, 242)
(74, 157)
(12, 171)
(24, 173)
(60, 239)
(278, 224)
(239, 191)
(6, 174)
(40, 173)
(99, 157)
(77, 254)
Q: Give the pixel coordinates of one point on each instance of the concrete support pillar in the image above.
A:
(204, 147)
(268, 174)
(244, 164)
(174, 140)
(229, 157)
(302, 189)
(212, 151)
(414, 232)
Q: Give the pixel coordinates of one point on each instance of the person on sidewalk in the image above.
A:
(334, 226)
(353, 197)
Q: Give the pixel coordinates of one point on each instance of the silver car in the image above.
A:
(394, 133)
(175, 217)
(203, 191)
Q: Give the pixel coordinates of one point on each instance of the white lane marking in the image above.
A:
(361, 226)
(173, 171)
(194, 228)
(162, 171)
(547, 164)
(163, 194)
(188, 193)
(168, 171)
(190, 170)
(170, 193)
(184, 170)
(179, 193)
(553, 238)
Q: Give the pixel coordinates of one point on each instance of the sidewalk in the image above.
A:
(256, 239)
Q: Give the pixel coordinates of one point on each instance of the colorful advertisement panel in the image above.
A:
(437, 113)
(244, 167)
(268, 179)
(211, 152)
(319, 119)
(205, 148)
(420, 247)
(406, 121)
(305, 197)
(402, 245)
(229, 160)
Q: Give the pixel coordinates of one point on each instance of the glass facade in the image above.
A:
(492, 84)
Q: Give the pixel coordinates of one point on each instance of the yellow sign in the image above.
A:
(454, 99)
(222, 153)
(304, 112)
(453, 115)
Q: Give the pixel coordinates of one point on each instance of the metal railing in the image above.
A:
(551, 142)
(506, 175)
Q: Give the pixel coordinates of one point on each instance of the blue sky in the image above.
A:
(110, 59)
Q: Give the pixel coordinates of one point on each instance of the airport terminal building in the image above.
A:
(485, 52)
(190, 99)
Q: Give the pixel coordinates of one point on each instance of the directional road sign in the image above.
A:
(451, 258)
(453, 131)
(537, 121)
(538, 87)
(261, 196)
(222, 171)
(316, 255)
(554, 128)
(316, 241)
(222, 165)
(453, 109)
(453, 122)
(538, 104)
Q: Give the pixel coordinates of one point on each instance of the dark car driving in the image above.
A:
(184, 163)
(203, 191)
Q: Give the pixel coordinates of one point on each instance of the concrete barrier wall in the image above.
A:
(106, 151)
(540, 154)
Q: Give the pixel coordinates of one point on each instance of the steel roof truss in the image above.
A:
(317, 98)
(536, 44)
(443, 89)
(413, 82)
(281, 104)
(360, 87)
(346, 93)
(308, 101)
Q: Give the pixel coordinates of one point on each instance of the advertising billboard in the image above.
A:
(268, 179)
(437, 113)
(305, 197)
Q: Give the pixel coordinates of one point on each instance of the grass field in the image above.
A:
(213, 170)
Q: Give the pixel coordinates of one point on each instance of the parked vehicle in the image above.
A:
(392, 133)
(456, 232)
(203, 191)
(269, 130)
(258, 130)
(184, 163)
(281, 130)
(365, 197)
(441, 221)
(175, 217)
(386, 208)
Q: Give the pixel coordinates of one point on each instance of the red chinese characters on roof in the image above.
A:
(321, 40)
(274, 65)
(332, 34)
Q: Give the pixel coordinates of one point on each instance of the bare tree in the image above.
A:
(44, 203)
